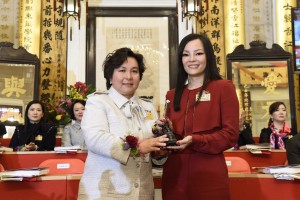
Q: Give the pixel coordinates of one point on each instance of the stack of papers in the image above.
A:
(157, 172)
(287, 176)
(262, 148)
(7, 149)
(70, 149)
(285, 172)
(279, 169)
(24, 173)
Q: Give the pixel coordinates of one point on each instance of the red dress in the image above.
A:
(199, 171)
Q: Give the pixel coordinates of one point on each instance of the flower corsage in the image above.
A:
(131, 142)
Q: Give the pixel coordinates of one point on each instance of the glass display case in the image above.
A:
(262, 76)
(19, 82)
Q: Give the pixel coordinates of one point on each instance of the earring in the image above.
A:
(110, 82)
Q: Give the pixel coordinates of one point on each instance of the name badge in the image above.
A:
(205, 96)
(149, 115)
(39, 138)
(290, 136)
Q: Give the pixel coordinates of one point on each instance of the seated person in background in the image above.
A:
(293, 150)
(278, 132)
(2, 130)
(35, 134)
(245, 132)
(72, 133)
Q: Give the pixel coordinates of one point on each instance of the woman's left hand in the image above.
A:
(182, 144)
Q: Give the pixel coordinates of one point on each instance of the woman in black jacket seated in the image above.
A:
(278, 132)
(35, 134)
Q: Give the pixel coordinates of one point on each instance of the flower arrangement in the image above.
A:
(131, 142)
(59, 107)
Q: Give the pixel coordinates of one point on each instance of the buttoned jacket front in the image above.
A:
(110, 172)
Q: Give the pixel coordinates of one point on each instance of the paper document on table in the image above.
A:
(262, 148)
(157, 172)
(25, 172)
(28, 179)
(74, 149)
(5, 149)
(286, 176)
(279, 169)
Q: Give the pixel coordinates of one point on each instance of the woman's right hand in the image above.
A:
(182, 144)
(152, 144)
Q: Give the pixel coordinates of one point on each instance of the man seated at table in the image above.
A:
(245, 132)
(2, 130)
(293, 150)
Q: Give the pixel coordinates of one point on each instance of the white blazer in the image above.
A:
(110, 172)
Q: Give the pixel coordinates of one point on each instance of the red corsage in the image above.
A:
(131, 142)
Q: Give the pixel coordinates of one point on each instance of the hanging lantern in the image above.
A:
(190, 8)
(71, 8)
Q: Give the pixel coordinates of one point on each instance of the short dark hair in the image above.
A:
(71, 111)
(211, 71)
(115, 59)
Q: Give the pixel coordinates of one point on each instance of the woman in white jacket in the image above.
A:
(117, 130)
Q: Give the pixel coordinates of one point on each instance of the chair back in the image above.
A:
(1, 168)
(237, 164)
(63, 166)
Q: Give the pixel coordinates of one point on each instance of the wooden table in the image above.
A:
(242, 186)
(262, 187)
(47, 187)
(253, 186)
(14, 160)
(276, 157)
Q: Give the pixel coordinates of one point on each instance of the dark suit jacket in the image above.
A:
(245, 136)
(2, 130)
(43, 135)
(293, 150)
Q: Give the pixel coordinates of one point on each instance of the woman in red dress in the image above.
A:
(204, 115)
